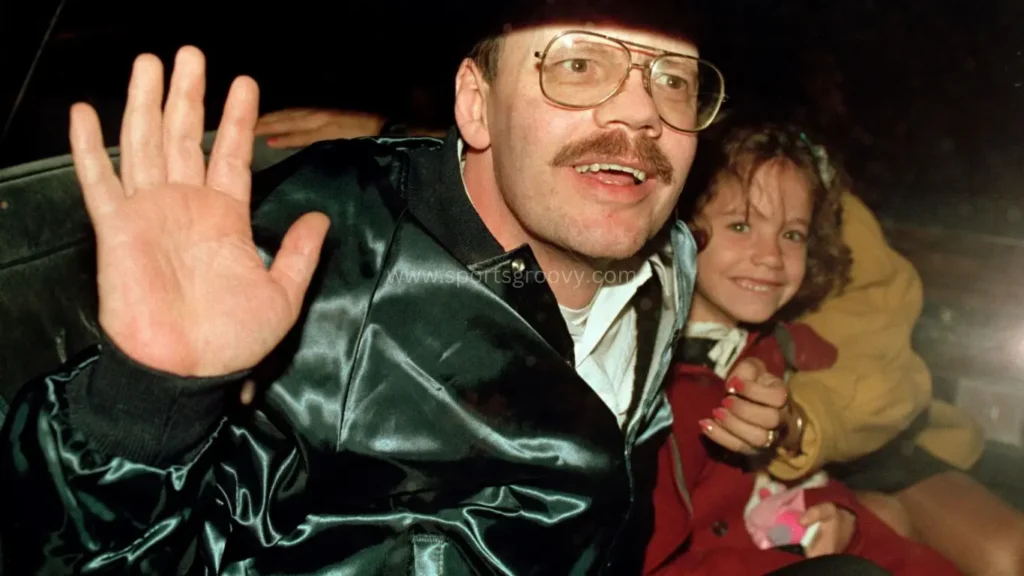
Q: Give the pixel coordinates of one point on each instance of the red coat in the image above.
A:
(719, 543)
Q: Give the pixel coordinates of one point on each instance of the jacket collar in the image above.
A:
(437, 197)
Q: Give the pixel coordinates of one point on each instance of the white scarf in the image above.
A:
(731, 342)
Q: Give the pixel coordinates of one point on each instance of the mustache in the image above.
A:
(616, 144)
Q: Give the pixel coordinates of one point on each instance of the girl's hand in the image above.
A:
(838, 526)
(749, 418)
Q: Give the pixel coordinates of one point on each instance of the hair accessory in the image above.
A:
(825, 170)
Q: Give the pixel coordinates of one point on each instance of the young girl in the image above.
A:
(767, 216)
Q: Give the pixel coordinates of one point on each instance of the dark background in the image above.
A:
(923, 100)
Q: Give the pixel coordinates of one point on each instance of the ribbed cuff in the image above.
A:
(143, 415)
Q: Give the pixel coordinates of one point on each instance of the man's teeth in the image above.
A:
(640, 175)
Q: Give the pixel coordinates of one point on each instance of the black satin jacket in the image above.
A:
(408, 425)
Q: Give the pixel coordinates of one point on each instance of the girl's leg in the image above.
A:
(889, 509)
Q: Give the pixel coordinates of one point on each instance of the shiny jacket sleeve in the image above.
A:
(104, 462)
(879, 384)
(110, 466)
(90, 491)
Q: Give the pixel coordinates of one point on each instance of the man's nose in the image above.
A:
(631, 106)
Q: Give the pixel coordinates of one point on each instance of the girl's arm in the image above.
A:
(878, 385)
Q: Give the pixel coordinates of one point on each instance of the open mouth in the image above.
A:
(756, 285)
(614, 173)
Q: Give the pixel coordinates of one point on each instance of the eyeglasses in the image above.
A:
(581, 69)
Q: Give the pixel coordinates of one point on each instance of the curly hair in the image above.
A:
(741, 151)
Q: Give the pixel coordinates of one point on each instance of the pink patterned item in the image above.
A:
(773, 513)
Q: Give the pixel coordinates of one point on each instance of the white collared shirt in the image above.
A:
(605, 336)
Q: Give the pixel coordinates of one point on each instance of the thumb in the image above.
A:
(295, 262)
(748, 370)
(818, 545)
(814, 514)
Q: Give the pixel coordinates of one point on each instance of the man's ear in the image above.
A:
(471, 91)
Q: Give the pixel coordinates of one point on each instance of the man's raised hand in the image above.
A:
(182, 287)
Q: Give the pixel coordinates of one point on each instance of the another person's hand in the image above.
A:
(300, 127)
(838, 526)
(751, 413)
(182, 287)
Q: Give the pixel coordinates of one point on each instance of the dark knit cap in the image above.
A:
(481, 20)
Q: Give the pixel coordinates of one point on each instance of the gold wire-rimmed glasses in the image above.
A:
(582, 69)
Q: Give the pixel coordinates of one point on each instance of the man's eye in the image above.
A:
(740, 227)
(576, 65)
(672, 82)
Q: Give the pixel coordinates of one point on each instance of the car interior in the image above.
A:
(923, 101)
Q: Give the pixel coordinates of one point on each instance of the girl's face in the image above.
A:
(756, 254)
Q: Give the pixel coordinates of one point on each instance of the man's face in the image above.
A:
(543, 153)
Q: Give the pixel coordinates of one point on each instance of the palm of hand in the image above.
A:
(180, 275)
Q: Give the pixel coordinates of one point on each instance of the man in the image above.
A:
(471, 384)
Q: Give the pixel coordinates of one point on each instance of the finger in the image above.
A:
(744, 375)
(271, 119)
(764, 417)
(724, 438)
(771, 380)
(183, 118)
(819, 545)
(142, 157)
(100, 187)
(295, 262)
(770, 393)
(248, 393)
(298, 139)
(818, 513)
(755, 437)
(230, 168)
(747, 370)
(765, 389)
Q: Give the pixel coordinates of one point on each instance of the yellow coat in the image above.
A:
(879, 384)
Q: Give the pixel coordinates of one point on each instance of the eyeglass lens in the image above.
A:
(582, 70)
